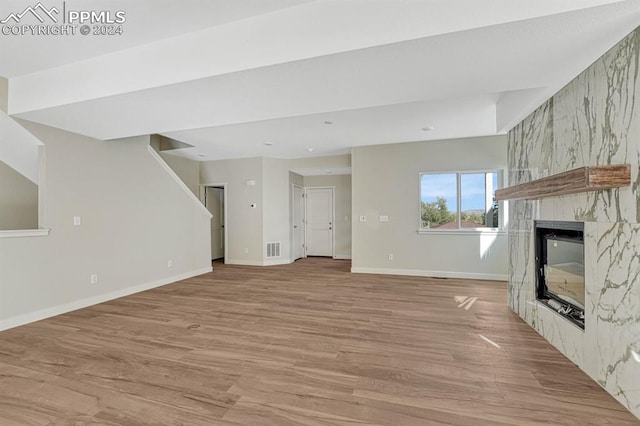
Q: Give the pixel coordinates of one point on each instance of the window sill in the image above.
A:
(21, 233)
(463, 231)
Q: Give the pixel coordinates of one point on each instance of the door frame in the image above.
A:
(225, 194)
(333, 217)
(304, 223)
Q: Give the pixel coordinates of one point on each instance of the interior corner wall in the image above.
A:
(342, 208)
(135, 218)
(386, 181)
(277, 208)
(18, 200)
(244, 223)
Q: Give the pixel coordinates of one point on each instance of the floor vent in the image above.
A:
(273, 249)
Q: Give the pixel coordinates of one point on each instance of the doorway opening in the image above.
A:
(215, 201)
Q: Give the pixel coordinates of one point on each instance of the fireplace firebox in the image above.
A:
(560, 268)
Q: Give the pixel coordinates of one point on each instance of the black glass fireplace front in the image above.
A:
(560, 268)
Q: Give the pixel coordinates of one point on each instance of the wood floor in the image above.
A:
(302, 344)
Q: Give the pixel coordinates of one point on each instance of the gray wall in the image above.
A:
(244, 224)
(594, 120)
(4, 94)
(342, 184)
(187, 170)
(385, 181)
(136, 216)
(18, 200)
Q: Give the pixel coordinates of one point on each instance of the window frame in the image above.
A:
(502, 211)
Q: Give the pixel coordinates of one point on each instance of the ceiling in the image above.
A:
(300, 78)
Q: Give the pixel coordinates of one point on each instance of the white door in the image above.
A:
(215, 205)
(298, 214)
(319, 210)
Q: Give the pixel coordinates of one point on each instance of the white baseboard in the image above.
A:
(271, 262)
(94, 300)
(437, 274)
(342, 256)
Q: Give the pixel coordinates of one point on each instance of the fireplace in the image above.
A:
(560, 268)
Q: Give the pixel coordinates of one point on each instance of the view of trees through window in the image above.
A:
(442, 193)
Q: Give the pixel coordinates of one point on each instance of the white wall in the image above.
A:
(244, 224)
(342, 207)
(136, 216)
(18, 148)
(385, 181)
(18, 200)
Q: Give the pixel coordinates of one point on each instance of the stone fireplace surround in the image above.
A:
(594, 120)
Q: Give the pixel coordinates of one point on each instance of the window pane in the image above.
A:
(476, 193)
(438, 200)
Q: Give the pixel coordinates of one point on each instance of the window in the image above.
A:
(458, 200)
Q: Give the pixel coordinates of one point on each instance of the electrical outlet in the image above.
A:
(169, 263)
(94, 278)
(390, 256)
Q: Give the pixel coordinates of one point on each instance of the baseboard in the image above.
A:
(273, 262)
(437, 274)
(90, 301)
(342, 256)
(257, 263)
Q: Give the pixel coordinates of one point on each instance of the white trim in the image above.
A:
(342, 256)
(178, 181)
(503, 217)
(276, 262)
(462, 231)
(436, 274)
(94, 300)
(257, 263)
(303, 230)
(25, 233)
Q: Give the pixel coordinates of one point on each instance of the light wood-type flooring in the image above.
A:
(301, 344)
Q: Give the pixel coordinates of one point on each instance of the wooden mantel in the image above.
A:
(582, 179)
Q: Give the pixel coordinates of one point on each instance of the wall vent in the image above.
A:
(273, 249)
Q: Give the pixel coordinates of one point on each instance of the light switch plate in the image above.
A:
(77, 221)
(363, 218)
(384, 218)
